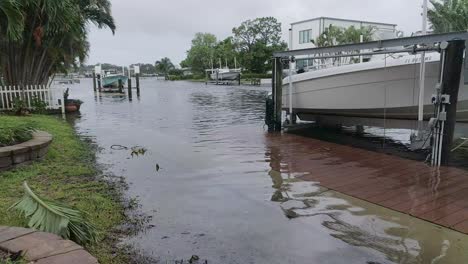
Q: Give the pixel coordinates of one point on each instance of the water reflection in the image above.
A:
(400, 238)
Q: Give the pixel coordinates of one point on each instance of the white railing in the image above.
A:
(52, 95)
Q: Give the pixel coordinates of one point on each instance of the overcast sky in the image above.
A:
(148, 30)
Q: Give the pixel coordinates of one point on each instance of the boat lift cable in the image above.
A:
(461, 145)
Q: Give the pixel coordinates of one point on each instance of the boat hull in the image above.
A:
(375, 91)
(224, 76)
(113, 81)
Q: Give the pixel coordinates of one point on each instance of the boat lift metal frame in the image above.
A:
(416, 44)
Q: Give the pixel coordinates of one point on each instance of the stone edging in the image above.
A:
(43, 248)
(25, 152)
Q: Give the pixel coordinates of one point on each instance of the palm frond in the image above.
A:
(55, 218)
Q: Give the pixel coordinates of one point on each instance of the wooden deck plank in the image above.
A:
(407, 186)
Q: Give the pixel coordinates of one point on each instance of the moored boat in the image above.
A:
(110, 82)
(224, 74)
(385, 87)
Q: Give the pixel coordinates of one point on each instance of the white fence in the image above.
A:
(50, 94)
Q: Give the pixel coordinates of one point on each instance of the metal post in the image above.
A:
(422, 74)
(450, 86)
(361, 40)
(290, 93)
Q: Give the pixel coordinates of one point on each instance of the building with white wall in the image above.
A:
(303, 33)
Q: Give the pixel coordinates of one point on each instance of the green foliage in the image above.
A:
(256, 40)
(19, 105)
(334, 35)
(201, 54)
(13, 132)
(67, 175)
(11, 19)
(54, 218)
(46, 37)
(448, 15)
(164, 66)
(9, 260)
(38, 106)
(248, 76)
(252, 45)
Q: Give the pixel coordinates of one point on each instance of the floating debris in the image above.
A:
(137, 151)
(118, 147)
(194, 258)
(157, 167)
(290, 213)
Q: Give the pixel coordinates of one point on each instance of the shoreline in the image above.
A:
(71, 175)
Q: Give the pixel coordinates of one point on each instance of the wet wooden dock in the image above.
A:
(411, 187)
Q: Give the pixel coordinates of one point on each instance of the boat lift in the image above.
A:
(451, 47)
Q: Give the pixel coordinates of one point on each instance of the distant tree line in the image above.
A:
(252, 46)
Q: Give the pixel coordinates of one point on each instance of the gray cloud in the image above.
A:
(150, 29)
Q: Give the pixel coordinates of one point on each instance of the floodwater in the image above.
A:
(217, 187)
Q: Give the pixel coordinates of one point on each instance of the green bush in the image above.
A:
(14, 132)
(246, 76)
(185, 77)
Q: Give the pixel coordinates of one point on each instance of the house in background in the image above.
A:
(302, 33)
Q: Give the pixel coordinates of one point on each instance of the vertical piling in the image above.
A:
(450, 86)
(129, 88)
(277, 92)
(94, 81)
(137, 81)
(99, 82)
(120, 86)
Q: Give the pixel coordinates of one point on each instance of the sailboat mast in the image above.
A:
(422, 72)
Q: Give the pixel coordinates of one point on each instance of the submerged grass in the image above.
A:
(67, 175)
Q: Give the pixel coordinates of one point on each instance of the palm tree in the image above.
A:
(11, 19)
(448, 15)
(164, 66)
(53, 38)
(334, 35)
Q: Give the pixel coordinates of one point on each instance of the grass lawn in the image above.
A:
(67, 175)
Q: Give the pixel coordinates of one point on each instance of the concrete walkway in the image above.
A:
(407, 186)
(43, 248)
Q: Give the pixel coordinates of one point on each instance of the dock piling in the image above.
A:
(120, 86)
(129, 88)
(277, 93)
(450, 86)
(137, 81)
(99, 82)
(94, 81)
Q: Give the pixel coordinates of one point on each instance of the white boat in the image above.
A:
(224, 74)
(385, 87)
